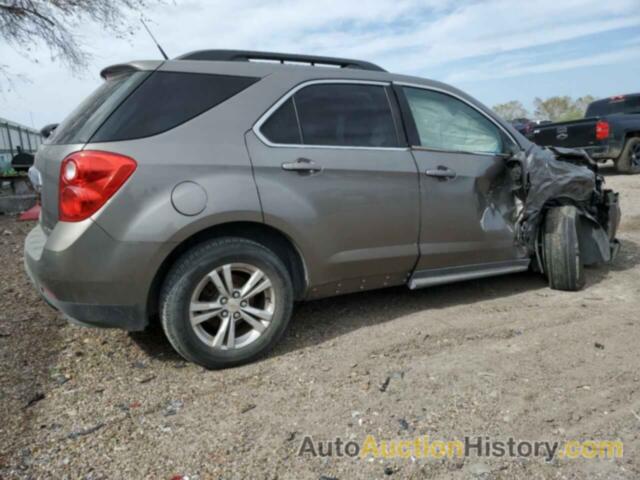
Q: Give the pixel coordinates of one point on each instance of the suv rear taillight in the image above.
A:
(602, 130)
(88, 179)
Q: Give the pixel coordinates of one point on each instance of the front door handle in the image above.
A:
(441, 172)
(302, 165)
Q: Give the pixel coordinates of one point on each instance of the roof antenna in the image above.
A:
(154, 40)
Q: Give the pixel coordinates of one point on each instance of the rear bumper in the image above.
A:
(600, 153)
(125, 317)
(90, 277)
(605, 152)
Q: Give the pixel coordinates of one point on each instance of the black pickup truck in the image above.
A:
(609, 131)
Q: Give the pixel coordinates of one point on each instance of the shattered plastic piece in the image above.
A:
(30, 215)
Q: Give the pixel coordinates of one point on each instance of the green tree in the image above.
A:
(583, 102)
(560, 109)
(511, 110)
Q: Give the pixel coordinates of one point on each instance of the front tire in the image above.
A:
(561, 249)
(629, 160)
(226, 302)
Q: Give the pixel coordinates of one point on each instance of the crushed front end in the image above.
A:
(548, 177)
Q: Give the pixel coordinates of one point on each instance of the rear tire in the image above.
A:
(629, 160)
(216, 325)
(561, 249)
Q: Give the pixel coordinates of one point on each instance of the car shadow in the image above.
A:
(628, 257)
(153, 342)
(323, 320)
(318, 321)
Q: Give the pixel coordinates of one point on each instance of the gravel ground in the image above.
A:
(505, 357)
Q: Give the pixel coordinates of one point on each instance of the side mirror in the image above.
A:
(509, 149)
(47, 130)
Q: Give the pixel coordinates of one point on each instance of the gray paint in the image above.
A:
(440, 276)
(467, 219)
(366, 220)
(189, 198)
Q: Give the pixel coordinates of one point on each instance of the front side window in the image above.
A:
(334, 114)
(446, 123)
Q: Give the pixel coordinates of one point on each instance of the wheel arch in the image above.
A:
(628, 135)
(594, 240)
(266, 235)
(631, 134)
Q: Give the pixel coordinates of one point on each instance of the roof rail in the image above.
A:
(247, 56)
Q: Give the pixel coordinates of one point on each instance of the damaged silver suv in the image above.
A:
(214, 190)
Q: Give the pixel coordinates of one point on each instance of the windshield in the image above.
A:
(90, 114)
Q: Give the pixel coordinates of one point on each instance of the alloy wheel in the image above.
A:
(232, 306)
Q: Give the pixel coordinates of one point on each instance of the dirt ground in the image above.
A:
(501, 357)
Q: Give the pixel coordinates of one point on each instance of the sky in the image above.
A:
(496, 50)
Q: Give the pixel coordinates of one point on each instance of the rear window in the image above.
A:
(612, 106)
(166, 100)
(141, 104)
(89, 115)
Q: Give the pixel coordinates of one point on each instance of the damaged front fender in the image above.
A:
(546, 177)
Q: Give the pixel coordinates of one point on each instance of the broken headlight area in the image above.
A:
(547, 177)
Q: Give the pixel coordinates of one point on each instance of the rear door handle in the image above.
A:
(441, 173)
(302, 165)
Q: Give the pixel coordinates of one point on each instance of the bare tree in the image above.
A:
(25, 24)
(511, 110)
(582, 103)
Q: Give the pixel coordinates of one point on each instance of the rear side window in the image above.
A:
(348, 115)
(89, 115)
(166, 100)
(282, 127)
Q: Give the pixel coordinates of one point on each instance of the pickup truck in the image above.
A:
(609, 131)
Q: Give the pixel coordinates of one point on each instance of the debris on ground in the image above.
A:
(173, 407)
(247, 407)
(87, 431)
(35, 398)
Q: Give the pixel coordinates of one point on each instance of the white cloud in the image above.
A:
(506, 68)
(409, 36)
